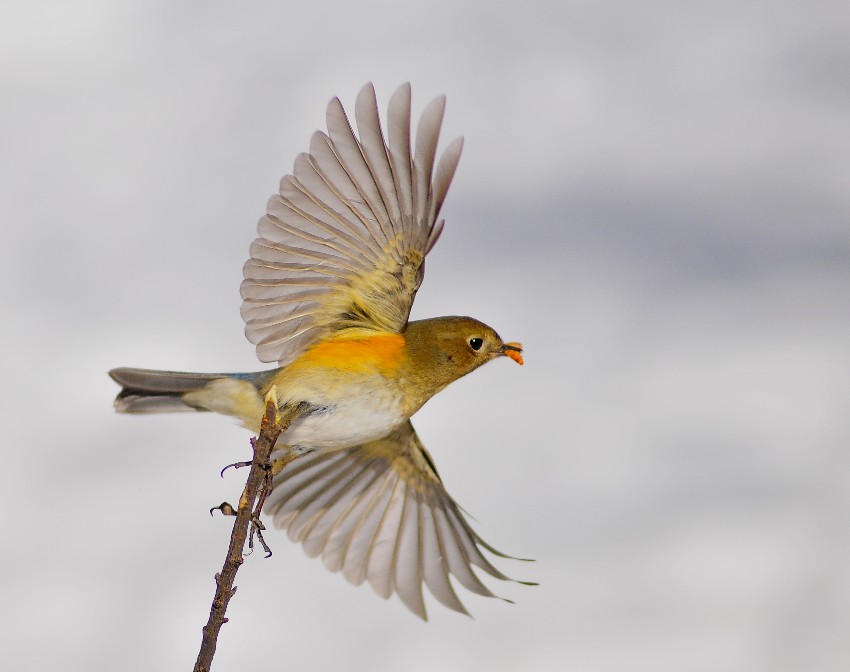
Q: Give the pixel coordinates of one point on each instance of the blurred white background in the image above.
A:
(653, 198)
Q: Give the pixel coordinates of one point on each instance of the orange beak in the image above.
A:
(514, 351)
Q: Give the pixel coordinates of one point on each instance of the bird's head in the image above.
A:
(447, 348)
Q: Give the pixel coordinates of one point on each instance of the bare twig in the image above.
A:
(273, 424)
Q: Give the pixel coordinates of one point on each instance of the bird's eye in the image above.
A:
(476, 343)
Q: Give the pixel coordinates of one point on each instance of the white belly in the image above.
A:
(347, 423)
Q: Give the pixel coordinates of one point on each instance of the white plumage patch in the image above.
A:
(349, 422)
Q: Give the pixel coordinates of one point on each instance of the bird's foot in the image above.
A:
(256, 525)
(257, 529)
(225, 508)
(236, 465)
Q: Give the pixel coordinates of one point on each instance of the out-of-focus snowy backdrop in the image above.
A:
(653, 198)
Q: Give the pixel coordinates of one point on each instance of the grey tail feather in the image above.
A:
(150, 391)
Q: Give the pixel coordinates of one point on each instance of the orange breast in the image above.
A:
(381, 353)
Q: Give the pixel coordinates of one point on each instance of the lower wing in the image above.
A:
(378, 512)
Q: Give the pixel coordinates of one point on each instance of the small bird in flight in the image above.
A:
(327, 295)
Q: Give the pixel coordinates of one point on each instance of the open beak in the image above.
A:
(512, 350)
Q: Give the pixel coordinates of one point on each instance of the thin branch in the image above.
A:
(273, 424)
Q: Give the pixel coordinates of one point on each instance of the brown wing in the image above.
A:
(379, 513)
(343, 244)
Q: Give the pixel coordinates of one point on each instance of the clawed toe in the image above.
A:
(236, 465)
(226, 508)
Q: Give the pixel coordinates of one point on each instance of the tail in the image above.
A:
(149, 391)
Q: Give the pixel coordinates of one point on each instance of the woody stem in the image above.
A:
(273, 424)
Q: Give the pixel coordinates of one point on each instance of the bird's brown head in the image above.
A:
(443, 349)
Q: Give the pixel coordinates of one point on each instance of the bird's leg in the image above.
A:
(257, 526)
(269, 469)
(279, 463)
(256, 530)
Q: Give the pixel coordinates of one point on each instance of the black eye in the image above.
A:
(476, 343)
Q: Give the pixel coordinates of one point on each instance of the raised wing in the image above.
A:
(343, 244)
(379, 513)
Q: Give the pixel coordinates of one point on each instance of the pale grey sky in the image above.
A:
(653, 198)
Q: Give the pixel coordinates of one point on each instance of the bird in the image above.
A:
(327, 295)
